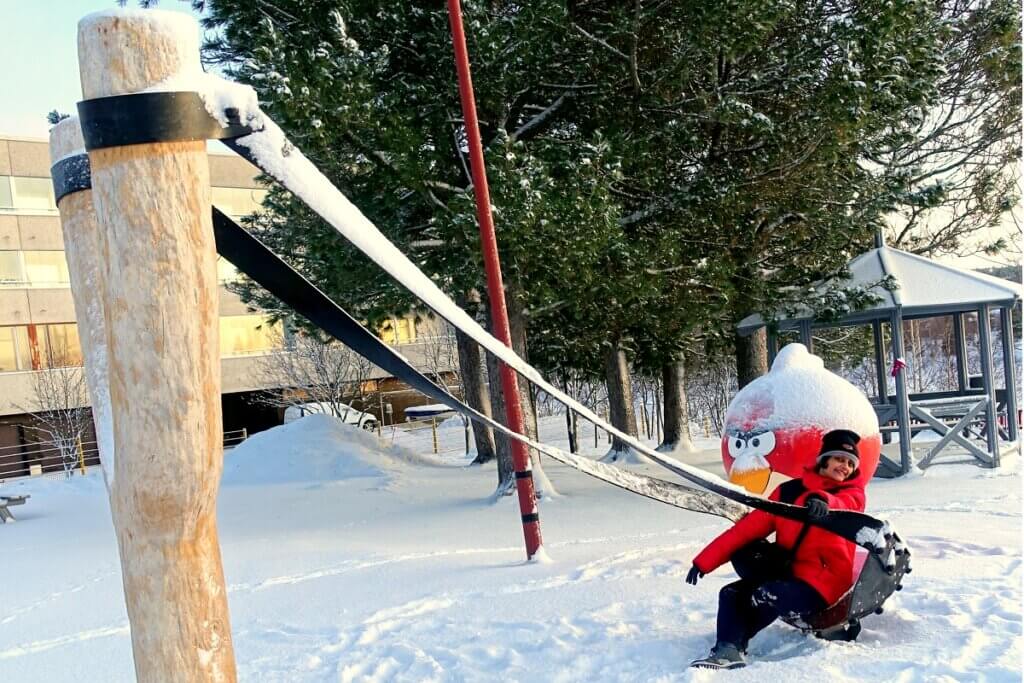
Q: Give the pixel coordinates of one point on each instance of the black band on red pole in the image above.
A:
(524, 474)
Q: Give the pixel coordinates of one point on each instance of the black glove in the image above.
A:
(817, 507)
(694, 574)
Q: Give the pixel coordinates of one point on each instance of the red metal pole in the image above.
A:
(495, 288)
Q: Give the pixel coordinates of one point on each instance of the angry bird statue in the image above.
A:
(774, 425)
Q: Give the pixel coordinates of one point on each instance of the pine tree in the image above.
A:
(744, 129)
(658, 170)
(368, 92)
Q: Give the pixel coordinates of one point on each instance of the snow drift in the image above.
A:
(317, 448)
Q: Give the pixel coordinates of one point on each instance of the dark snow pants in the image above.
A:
(766, 590)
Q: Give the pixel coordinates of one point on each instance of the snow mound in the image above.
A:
(453, 422)
(800, 391)
(625, 455)
(316, 448)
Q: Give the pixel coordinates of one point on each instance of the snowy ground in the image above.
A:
(344, 564)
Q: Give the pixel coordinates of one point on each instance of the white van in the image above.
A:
(347, 413)
(435, 410)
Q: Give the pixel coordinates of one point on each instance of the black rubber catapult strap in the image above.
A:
(169, 116)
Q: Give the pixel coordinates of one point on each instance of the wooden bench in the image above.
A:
(965, 410)
(6, 502)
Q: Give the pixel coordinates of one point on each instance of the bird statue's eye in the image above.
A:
(737, 446)
(762, 444)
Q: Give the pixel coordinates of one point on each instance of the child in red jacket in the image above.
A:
(804, 571)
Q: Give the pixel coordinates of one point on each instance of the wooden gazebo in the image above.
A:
(970, 415)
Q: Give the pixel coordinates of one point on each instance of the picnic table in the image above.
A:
(6, 502)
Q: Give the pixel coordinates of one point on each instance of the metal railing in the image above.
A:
(46, 459)
(423, 436)
(234, 437)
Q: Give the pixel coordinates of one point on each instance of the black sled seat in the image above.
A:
(880, 575)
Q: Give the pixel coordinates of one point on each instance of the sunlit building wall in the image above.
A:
(37, 317)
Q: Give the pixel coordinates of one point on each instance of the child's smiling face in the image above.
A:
(838, 467)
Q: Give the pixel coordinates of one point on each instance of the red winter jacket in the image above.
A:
(823, 560)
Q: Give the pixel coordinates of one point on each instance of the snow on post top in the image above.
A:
(798, 390)
(181, 27)
(182, 31)
(173, 27)
(66, 140)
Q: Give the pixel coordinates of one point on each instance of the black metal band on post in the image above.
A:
(525, 474)
(71, 174)
(150, 117)
(531, 517)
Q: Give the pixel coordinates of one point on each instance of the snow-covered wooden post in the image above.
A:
(153, 204)
(83, 249)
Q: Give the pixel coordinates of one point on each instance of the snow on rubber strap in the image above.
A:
(252, 257)
(257, 138)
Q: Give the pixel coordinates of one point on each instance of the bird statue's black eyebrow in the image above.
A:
(733, 433)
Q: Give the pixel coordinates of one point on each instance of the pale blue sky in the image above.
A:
(39, 59)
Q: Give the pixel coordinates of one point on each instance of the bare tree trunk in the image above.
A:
(620, 396)
(570, 427)
(677, 416)
(517, 328)
(751, 356)
(503, 446)
(644, 414)
(659, 417)
(474, 388)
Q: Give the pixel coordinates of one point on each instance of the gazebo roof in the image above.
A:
(926, 287)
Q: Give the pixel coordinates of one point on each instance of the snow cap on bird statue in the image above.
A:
(775, 424)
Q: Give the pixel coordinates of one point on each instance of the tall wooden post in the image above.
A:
(82, 248)
(153, 204)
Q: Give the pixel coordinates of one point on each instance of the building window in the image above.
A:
(238, 201)
(46, 269)
(398, 331)
(59, 345)
(12, 272)
(248, 334)
(33, 194)
(6, 198)
(15, 351)
(35, 347)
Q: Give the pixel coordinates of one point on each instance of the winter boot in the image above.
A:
(723, 656)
